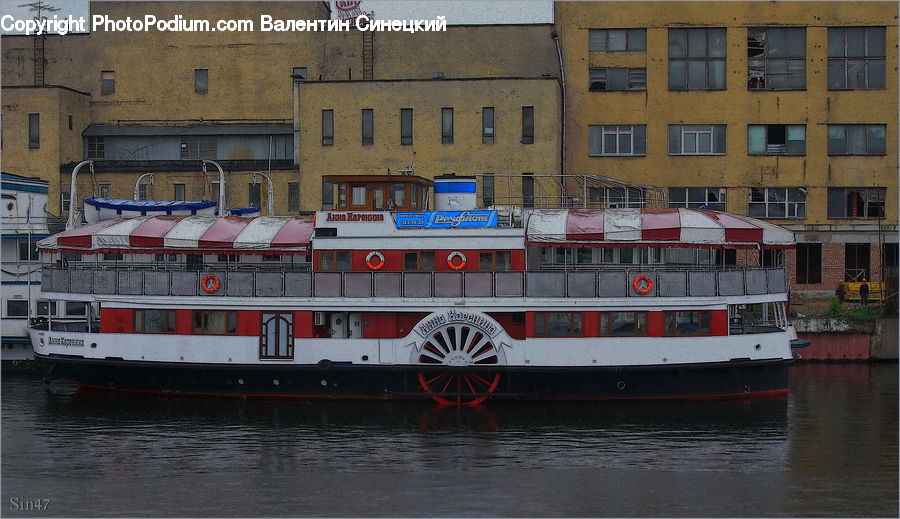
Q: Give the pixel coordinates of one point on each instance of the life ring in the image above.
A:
(210, 283)
(375, 260)
(642, 284)
(462, 260)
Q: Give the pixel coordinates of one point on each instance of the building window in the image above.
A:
(617, 40)
(154, 321)
(254, 194)
(776, 139)
(617, 141)
(558, 324)
(406, 126)
(778, 202)
(27, 253)
(335, 261)
(698, 197)
(697, 59)
(623, 323)
(299, 74)
(368, 127)
(527, 190)
(856, 202)
(527, 125)
(613, 197)
(604, 79)
(487, 190)
(809, 263)
(487, 125)
(857, 261)
(889, 254)
(103, 190)
(446, 126)
(856, 58)
(144, 192)
(697, 139)
(108, 82)
(327, 127)
(293, 196)
(64, 201)
(34, 131)
(423, 261)
(96, 147)
(198, 147)
(686, 323)
(179, 192)
(494, 260)
(215, 322)
(201, 80)
(776, 58)
(71, 122)
(856, 139)
(16, 308)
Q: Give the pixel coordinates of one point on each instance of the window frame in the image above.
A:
(335, 256)
(847, 145)
(202, 328)
(805, 253)
(95, 147)
(697, 130)
(709, 58)
(327, 127)
(770, 148)
(10, 303)
(671, 326)
(639, 324)
(636, 133)
(767, 197)
(843, 61)
(691, 202)
(769, 57)
(634, 79)
(864, 194)
(543, 324)
(168, 321)
(632, 43)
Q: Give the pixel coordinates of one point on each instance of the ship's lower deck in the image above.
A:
(445, 384)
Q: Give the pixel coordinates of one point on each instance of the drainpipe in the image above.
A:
(562, 122)
(73, 195)
(221, 184)
(138, 183)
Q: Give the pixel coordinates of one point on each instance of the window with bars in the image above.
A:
(776, 139)
(856, 139)
(697, 139)
(606, 79)
(698, 197)
(617, 40)
(856, 58)
(293, 196)
(777, 202)
(697, 59)
(776, 58)
(198, 147)
(856, 202)
(627, 141)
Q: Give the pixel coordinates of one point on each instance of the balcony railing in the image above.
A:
(578, 284)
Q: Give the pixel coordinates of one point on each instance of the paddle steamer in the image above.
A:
(458, 306)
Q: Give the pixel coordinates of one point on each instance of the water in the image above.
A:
(830, 448)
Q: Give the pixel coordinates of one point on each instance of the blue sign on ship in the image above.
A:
(446, 219)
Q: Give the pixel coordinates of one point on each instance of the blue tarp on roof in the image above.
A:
(241, 211)
(149, 205)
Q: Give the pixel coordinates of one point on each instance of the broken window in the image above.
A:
(856, 202)
(856, 58)
(777, 202)
(776, 58)
(617, 79)
(776, 139)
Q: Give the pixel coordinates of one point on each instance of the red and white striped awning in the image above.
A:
(653, 228)
(188, 234)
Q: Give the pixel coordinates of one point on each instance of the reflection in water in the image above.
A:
(286, 457)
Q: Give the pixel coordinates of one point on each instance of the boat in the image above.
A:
(459, 306)
(98, 209)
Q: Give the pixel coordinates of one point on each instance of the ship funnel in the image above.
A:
(454, 193)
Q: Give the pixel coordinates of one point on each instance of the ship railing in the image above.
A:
(604, 283)
(64, 325)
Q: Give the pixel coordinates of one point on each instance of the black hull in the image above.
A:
(461, 385)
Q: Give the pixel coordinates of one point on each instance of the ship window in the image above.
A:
(46, 307)
(378, 197)
(16, 308)
(215, 322)
(229, 258)
(423, 261)
(113, 256)
(623, 323)
(76, 308)
(687, 323)
(276, 339)
(398, 194)
(496, 260)
(334, 261)
(358, 195)
(167, 257)
(28, 253)
(154, 321)
(558, 324)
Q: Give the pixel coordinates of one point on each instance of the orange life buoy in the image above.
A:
(210, 283)
(375, 260)
(454, 255)
(642, 284)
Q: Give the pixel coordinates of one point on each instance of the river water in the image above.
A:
(829, 448)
